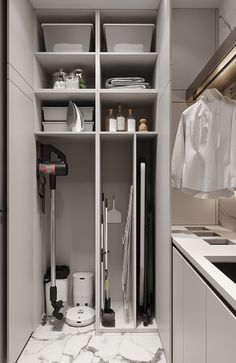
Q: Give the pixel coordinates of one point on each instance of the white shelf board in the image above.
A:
(137, 61)
(146, 135)
(142, 96)
(113, 136)
(107, 135)
(51, 61)
(99, 4)
(50, 94)
(67, 135)
(120, 324)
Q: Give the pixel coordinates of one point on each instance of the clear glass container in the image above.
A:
(59, 79)
(80, 75)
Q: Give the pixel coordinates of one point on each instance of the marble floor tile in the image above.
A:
(81, 345)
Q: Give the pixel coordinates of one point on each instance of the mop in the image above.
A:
(107, 314)
(114, 215)
(126, 240)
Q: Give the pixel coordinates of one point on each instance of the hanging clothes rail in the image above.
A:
(219, 72)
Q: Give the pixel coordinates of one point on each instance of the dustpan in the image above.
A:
(114, 215)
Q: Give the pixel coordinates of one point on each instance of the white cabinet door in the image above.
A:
(194, 316)
(221, 331)
(189, 313)
(21, 173)
(178, 308)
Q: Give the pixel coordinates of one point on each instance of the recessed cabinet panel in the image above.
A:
(221, 331)
(21, 174)
(21, 38)
(194, 317)
(178, 308)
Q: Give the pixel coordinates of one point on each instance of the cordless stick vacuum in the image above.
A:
(47, 165)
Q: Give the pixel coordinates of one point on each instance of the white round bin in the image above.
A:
(83, 289)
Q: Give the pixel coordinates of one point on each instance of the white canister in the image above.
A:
(83, 288)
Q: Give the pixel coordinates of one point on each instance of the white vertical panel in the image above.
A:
(97, 175)
(194, 318)
(221, 331)
(21, 38)
(178, 308)
(194, 42)
(163, 248)
(134, 233)
(21, 169)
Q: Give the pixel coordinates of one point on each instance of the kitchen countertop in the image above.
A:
(197, 251)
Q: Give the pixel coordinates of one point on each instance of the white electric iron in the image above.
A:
(75, 118)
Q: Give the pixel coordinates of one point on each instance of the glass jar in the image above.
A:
(70, 81)
(59, 79)
(80, 74)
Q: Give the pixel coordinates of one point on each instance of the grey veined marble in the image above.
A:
(73, 345)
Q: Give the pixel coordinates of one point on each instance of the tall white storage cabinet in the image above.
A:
(99, 161)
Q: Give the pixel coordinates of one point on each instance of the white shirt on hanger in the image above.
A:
(204, 155)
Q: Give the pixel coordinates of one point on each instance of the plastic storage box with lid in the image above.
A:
(55, 126)
(67, 37)
(60, 113)
(128, 37)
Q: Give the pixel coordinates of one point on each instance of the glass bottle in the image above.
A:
(120, 118)
(59, 79)
(110, 122)
(131, 122)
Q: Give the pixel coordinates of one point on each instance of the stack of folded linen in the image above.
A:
(126, 82)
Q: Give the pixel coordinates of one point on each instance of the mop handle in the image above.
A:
(106, 236)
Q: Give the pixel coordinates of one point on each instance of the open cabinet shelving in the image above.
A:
(116, 151)
(99, 161)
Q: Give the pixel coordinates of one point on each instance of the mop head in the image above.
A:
(108, 315)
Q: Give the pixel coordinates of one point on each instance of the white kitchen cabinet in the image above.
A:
(221, 331)
(178, 308)
(194, 305)
(204, 329)
(189, 313)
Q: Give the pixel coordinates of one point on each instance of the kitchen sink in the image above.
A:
(206, 234)
(228, 268)
(219, 241)
(197, 228)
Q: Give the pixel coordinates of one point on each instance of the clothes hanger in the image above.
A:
(210, 94)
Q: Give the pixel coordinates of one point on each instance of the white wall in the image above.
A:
(194, 41)
(227, 18)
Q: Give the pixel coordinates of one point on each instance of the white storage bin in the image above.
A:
(128, 37)
(67, 37)
(55, 126)
(87, 113)
(62, 294)
(88, 126)
(55, 113)
(83, 289)
(60, 113)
